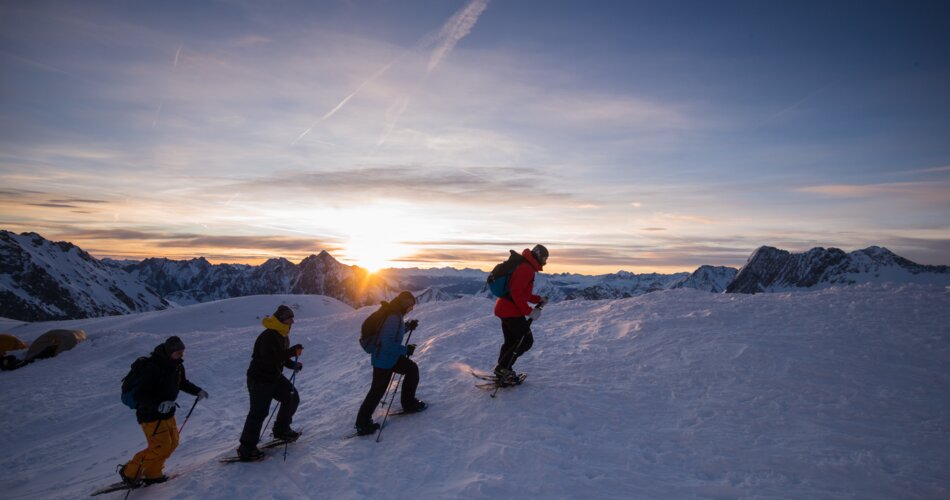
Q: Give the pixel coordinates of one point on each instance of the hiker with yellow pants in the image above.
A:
(160, 378)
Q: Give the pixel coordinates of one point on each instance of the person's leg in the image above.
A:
(169, 430)
(260, 396)
(381, 380)
(410, 381)
(289, 400)
(162, 437)
(518, 340)
(525, 343)
(508, 347)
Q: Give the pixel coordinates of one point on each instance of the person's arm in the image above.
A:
(186, 384)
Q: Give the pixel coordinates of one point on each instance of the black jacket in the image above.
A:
(162, 379)
(271, 355)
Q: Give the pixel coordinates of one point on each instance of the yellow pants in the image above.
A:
(162, 436)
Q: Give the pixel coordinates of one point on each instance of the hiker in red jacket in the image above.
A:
(513, 309)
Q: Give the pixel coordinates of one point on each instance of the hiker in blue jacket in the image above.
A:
(390, 356)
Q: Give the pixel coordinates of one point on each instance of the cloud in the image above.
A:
(468, 186)
(269, 243)
(933, 194)
(52, 205)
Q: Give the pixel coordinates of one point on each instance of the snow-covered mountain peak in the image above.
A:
(769, 269)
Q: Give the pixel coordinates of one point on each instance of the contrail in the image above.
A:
(455, 29)
(177, 53)
(346, 99)
(358, 89)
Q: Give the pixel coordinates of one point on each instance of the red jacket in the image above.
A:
(522, 285)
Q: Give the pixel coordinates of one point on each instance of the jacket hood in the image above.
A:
(528, 256)
(161, 353)
(272, 323)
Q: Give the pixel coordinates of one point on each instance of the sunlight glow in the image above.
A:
(374, 236)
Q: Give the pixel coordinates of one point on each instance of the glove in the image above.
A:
(297, 349)
(167, 406)
(299, 367)
(412, 324)
(544, 300)
(410, 348)
(535, 314)
(202, 394)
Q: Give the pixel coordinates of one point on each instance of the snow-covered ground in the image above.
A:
(837, 393)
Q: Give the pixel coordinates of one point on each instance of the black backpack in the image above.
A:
(499, 279)
(372, 325)
(132, 381)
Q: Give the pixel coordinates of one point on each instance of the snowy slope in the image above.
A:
(837, 393)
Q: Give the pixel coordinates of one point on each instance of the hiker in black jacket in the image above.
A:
(266, 382)
(162, 377)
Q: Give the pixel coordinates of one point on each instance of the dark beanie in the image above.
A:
(174, 344)
(283, 313)
(405, 299)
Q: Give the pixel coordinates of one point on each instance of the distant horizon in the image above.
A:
(485, 267)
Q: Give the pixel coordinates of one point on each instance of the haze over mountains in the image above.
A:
(42, 280)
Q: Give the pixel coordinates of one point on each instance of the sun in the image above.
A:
(373, 236)
(372, 254)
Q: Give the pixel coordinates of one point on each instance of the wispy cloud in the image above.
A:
(932, 193)
(34, 64)
(500, 186)
(455, 29)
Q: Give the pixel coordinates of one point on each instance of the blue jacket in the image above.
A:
(389, 343)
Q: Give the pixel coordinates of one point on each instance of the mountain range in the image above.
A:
(42, 280)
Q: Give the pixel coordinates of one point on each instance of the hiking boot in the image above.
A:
(126, 479)
(287, 434)
(155, 480)
(366, 429)
(250, 454)
(415, 407)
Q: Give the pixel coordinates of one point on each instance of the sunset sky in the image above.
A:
(642, 136)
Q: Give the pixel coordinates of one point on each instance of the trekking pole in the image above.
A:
(188, 415)
(382, 402)
(268, 420)
(393, 398)
(292, 390)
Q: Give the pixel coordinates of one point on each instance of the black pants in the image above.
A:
(518, 340)
(381, 378)
(261, 394)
